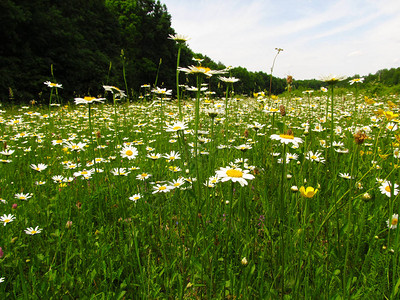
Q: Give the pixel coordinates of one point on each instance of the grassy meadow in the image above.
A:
(202, 198)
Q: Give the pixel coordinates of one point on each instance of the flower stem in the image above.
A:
(177, 83)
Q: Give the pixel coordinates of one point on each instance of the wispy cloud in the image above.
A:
(317, 36)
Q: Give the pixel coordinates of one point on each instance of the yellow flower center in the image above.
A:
(394, 221)
(58, 141)
(33, 231)
(387, 189)
(144, 175)
(203, 69)
(313, 157)
(84, 172)
(6, 220)
(89, 98)
(53, 84)
(129, 152)
(234, 173)
(22, 197)
(177, 128)
(177, 184)
(287, 136)
(161, 188)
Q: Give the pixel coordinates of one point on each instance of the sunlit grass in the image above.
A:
(123, 203)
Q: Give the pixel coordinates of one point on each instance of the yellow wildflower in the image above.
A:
(308, 192)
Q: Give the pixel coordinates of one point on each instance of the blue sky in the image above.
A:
(318, 37)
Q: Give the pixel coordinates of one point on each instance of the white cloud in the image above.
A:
(318, 37)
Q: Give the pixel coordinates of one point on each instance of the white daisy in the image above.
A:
(120, 172)
(135, 197)
(235, 175)
(176, 183)
(129, 152)
(162, 188)
(172, 156)
(143, 176)
(176, 126)
(88, 100)
(387, 188)
(7, 219)
(39, 167)
(286, 138)
(33, 231)
(392, 222)
(22, 196)
(345, 175)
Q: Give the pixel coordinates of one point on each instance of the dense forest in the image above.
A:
(84, 44)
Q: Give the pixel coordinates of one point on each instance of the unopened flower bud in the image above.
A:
(366, 196)
(244, 261)
(68, 225)
(282, 110)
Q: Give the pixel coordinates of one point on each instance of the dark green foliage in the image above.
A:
(78, 38)
(145, 27)
(83, 41)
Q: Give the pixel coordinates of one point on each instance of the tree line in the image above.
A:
(84, 44)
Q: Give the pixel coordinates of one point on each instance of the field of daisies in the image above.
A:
(199, 197)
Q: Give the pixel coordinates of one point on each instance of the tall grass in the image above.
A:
(263, 240)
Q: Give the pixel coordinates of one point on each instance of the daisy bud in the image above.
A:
(1, 252)
(289, 79)
(366, 196)
(14, 206)
(244, 261)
